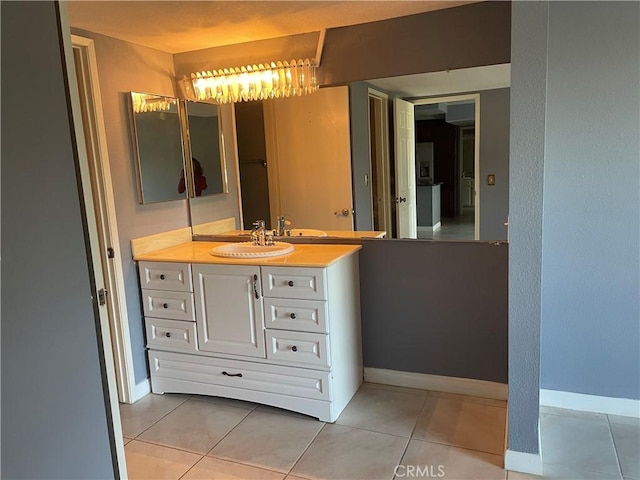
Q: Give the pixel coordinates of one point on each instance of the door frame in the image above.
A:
(99, 276)
(456, 98)
(101, 189)
(382, 188)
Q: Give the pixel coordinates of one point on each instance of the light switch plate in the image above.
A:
(491, 179)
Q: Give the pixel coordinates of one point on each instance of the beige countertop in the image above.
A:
(304, 255)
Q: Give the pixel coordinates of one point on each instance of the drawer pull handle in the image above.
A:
(294, 348)
(165, 305)
(168, 334)
(255, 289)
(162, 276)
(226, 374)
(290, 283)
(292, 316)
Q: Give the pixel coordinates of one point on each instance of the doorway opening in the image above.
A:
(447, 166)
(379, 161)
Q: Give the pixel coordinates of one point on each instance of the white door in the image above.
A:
(405, 153)
(229, 312)
(309, 147)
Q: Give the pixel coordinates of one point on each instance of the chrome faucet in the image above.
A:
(281, 225)
(259, 233)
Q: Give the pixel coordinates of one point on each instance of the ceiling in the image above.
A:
(181, 26)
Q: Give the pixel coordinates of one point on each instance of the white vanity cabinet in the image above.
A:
(229, 309)
(286, 335)
(167, 302)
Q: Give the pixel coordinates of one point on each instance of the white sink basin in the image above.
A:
(307, 232)
(249, 250)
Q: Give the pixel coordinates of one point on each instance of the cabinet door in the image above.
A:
(229, 313)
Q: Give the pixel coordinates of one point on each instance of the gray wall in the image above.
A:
(591, 244)
(55, 422)
(528, 85)
(460, 37)
(435, 307)
(574, 134)
(494, 159)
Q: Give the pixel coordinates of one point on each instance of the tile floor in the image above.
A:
(384, 433)
(458, 228)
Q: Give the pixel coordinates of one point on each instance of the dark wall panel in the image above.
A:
(435, 307)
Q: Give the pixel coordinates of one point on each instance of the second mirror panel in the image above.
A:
(207, 159)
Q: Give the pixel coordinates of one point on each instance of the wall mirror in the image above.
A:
(157, 138)
(371, 202)
(205, 149)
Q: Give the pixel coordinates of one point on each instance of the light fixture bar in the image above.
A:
(256, 82)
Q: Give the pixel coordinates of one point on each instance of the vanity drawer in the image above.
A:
(172, 305)
(300, 315)
(298, 347)
(171, 334)
(291, 381)
(166, 276)
(293, 282)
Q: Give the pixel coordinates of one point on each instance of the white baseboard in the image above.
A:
(523, 462)
(463, 386)
(423, 229)
(141, 389)
(590, 403)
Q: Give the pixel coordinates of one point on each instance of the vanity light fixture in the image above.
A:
(256, 82)
(143, 102)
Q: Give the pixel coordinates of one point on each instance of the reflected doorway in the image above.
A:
(449, 127)
(252, 160)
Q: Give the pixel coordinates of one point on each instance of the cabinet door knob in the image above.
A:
(292, 316)
(165, 305)
(294, 348)
(290, 283)
(168, 334)
(162, 276)
(226, 374)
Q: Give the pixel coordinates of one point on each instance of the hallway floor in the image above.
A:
(384, 433)
(459, 228)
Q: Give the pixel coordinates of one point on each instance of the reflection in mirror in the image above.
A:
(158, 147)
(207, 160)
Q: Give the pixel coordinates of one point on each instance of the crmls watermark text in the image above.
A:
(419, 471)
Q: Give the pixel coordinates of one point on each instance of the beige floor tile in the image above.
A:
(147, 461)
(195, 426)
(282, 411)
(126, 440)
(383, 411)
(340, 452)
(229, 402)
(443, 461)
(393, 388)
(210, 468)
(573, 413)
(469, 398)
(582, 444)
(627, 442)
(522, 476)
(136, 418)
(268, 440)
(462, 424)
(293, 477)
(562, 472)
(624, 420)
